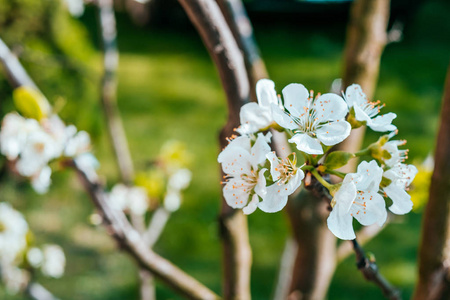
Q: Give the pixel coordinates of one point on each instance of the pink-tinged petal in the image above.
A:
(330, 107)
(383, 123)
(274, 200)
(402, 203)
(274, 162)
(341, 225)
(296, 98)
(266, 94)
(253, 118)
(234, 194)
(236, 162)
(344, 197)
(333, 133)
(252, 206)
(354, 95)
(282, 118)
(369, 208)
(259, 151)
(306, 143)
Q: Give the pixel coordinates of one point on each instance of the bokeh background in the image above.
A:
(169, 89)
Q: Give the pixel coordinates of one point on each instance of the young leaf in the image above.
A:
(337, 159)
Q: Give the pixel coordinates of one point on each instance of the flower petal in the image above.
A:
(333, 133)
(274, 162)
(242, 142)
(253, 118)
(369, 208)
(383, 123)
(282, 118)
(354, 95)
(341, 225)
(235, 196)
(306, 143)
(402, 203)
(330, 107)
(252, 206)
(259, 150)
(236, 161)
(344, 197)
(295, 98)
(369, 176)
(265, 92)
(274, 200)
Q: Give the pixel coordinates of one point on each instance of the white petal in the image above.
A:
(41, 181)
(251, 207)
(253, 118)
(383, 123)
(370, 210)
(361, 115)
(239, 142)
(295, 98)
(259, 150)
(344, 197)
(333, 133)
(274, 200)
(294, 182)
(369, 176)
(330, 107)
(234, 195)
(260, 187)
(274, 162)
(341, 225)
(402, 203)
(355, 95)
(282, 118)
(306, 143)
(236, 162)
(265, 92)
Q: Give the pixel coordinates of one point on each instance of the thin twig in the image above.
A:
(156, 226)
(370, 271)
(37, 292)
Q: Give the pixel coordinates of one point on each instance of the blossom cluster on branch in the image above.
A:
(256, 178)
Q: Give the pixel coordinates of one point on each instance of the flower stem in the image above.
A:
(337, 173)
(363, 152)
(321, 180)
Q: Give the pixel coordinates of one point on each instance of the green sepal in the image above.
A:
(353, 121)
(31, 103)
(385, 182)
(337, 159)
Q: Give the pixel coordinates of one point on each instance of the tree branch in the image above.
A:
(119, 227)
(223, 49)
(434, 253)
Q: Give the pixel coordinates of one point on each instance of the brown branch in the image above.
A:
(121, 229)
(366, 39)
(223, 49)
(434, 253)
(107, 24)
(370, 271)
(131, 241)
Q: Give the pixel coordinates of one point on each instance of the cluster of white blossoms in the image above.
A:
(256, 178)
(16, 255)
(31, 145)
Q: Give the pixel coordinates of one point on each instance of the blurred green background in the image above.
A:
(169, 89)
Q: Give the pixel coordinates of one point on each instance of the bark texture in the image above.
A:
(223, 49)
(434, 254)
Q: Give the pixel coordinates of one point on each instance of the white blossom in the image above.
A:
(401, 176)
(312, 120)
(35, 257)
(258, 116)
(41, 181)
(245, 175)
(132, 199)
(366, 111)
(14, 278)
(397, 155)
(358, 198)
(13, 233)
(287, 178)
(54, 261)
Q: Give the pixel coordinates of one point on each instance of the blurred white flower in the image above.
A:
(13, 231)
(132, 199)
(41, 181)
(35, 257)
(88, 163)
(75, 7)
(14, 133)
(180, 179)
(54, 261)
(77, 144)
(15, 279)
(172, 200)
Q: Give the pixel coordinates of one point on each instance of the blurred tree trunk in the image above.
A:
(223, 49)
(434, 254)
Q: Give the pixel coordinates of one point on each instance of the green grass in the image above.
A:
(169, 89)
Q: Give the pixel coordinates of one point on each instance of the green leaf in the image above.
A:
(31, 103)
(337, 159)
